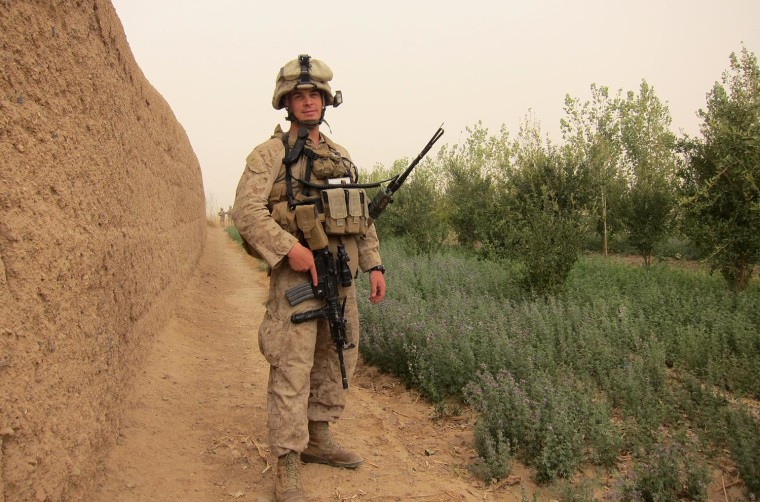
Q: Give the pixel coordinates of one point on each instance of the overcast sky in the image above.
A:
(407, 66)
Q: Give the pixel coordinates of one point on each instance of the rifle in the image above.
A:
(385, 197)
(332, 270)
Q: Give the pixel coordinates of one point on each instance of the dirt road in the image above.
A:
(196, 429)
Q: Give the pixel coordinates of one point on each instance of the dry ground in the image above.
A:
(196, 429)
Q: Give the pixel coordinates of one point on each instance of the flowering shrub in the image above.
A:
(655, 347)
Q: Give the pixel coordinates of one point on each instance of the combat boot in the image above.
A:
(287, 482)
(322, 449)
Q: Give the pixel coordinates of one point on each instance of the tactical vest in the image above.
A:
(320, 199)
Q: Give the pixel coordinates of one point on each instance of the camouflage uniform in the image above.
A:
(304, 378)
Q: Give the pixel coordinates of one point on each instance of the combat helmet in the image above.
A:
(305, 73)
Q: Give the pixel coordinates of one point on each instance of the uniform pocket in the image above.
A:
(346, 211)
(272, 335)
(356, 222)
(308, 221)
(285, 217)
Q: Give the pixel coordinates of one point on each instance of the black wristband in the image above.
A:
(379, 268)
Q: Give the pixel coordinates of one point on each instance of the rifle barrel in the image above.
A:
(385, 196)
(399, 180)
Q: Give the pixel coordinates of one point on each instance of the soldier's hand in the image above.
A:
(376, 286)
(301, 259)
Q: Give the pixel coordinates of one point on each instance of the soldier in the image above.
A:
(222, 217)
(283, 176)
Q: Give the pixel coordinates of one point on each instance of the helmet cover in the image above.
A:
(302, 73)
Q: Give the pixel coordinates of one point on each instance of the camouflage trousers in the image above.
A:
(304, 373)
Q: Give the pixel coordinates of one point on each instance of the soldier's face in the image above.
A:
(305, 104)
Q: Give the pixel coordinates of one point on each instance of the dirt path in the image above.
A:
(196, 430)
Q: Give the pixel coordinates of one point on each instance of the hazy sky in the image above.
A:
(407, 66)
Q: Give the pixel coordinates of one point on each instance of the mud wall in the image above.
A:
(101, 221)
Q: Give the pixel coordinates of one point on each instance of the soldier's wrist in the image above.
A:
(379, 268)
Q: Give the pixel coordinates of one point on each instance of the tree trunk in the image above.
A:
(604, 224)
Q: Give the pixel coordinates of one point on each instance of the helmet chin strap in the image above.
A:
(306, 123)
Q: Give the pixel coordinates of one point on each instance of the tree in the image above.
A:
(591, 131)
(721, 198)
(417, 212)
(546, 217)
(473, 173)
(649, 163)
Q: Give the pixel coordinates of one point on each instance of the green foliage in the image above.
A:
(380, 174)
(417, 212)
(579, 492)
(721, 181)
(637, 388)
(473, 173)
(547, 373)
(416, 332)
(547, 418)
(548, 242)
(669, 472)
(727, 426)
(516, 202)
(234, 234)
(744, 443)
(495, 457)
(547, 220)
(623, 151)
(592, 143)
(679, 247)
(646, 212)
(649, 163)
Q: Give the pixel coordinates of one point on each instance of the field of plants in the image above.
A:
(650, 363)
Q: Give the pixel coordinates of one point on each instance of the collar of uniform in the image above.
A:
(293, 137)
(321, 140)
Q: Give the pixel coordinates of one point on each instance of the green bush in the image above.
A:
(474, 172)
(548, 420)
(582, 491)
(744, 444)
(495, 453)
(669, 472)
(548, 244)
(417, 213)
(234, 234)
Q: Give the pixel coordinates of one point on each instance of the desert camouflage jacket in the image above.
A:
(262, 183)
